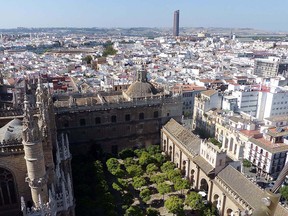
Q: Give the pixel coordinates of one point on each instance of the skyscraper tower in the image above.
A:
(176, 23)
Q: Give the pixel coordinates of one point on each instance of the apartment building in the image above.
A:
(265, 147)
(270, 67)
(212, 172)
(206, 104)
(268, 152)
(188, 93)
(233, 131)
(272, 103)
(247, 101)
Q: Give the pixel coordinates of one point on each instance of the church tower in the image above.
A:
(36, 172)
(46, 124)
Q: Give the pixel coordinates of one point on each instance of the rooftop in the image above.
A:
(277, 131)
(12, 131)
(203, 164)
(268, 146)
(140, 89)
(277, 118)
(209, 93)
(250, 193)
(251, 133)
(190, 141)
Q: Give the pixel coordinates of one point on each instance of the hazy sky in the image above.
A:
(260, 14)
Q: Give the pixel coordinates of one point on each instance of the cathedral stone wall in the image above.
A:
(117, 128)
(16, 164)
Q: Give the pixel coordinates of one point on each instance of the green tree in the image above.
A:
(158, 178)
(247, 163)
(181, 184)
(153, 149)
(152, 212)
(134, 170)
(145, 195)
(139, 182)
(138, 152)
(174, 205)
(109, 50)
(134, 211)
(129, 161)
(123, 183)
(173, 175)
(126, 153)
(159, 158)
(284, 192)
(87, 59)
(151, 168)
(119, 173)
(194, 200)
(164, 188)
(215, 142)
(117, 187)
(167, 166)
(112, 165)
(145, 159)
(208, 212)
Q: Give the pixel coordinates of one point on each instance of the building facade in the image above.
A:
(272, 103)
(117, 120)
(233, 132)
(206, 104)
(209, 170)
(268, 152)
(270, 67)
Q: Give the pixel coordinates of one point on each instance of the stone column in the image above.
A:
(197, 177)
(188, 169)
(210, 191)
(180, 160)
(223, 204)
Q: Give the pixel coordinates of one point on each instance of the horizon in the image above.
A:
(145, 27)
(260, 15)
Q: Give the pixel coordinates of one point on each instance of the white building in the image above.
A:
(247, 101)
(268, 152)
(231, 132)
(203, 116)
(272, 103)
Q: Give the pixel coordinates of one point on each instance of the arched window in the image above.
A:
(114, 119)
(156, 114)
(141, 116)
(7, 188)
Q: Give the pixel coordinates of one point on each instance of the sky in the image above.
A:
(258, 14)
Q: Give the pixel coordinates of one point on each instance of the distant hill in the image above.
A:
(141, 31)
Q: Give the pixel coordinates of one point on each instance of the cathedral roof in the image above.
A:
(141, 89)
(250, 193)
(188, 140)
(12, 131)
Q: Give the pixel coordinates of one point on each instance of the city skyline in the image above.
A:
(111, 13)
